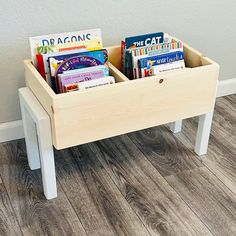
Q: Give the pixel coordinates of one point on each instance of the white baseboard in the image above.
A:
(226, 87)
(14, 130)
(11, 131)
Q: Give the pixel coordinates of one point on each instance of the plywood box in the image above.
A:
(129, 105)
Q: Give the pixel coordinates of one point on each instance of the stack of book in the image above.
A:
(150, 54)
(71, 61)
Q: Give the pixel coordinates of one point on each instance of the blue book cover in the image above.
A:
(59, 64)
(144, 40)
(160, 59)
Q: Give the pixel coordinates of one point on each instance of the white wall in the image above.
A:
(208, 25)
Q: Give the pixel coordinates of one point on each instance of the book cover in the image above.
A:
(160, 59)
(41, 68)
(144, 40)
(89, 84)
(104, 68)
(88, 45)
(145, 64)
(96, 83)
(65, 79)
(61, 63)
(147, 51)
(168, 67)
(62, 38)
(46, 61)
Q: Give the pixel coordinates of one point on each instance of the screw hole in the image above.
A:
(161, 81)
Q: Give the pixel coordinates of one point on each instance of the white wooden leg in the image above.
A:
(47, 158)
(34, 114)
(203, 133)
(176, 126)
(31, 138)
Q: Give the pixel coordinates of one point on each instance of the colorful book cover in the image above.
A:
(89, 84)
(62, 38)
(140, 42)
(46, 61)
(65, 79)
(144, 40)
(104, 68)
(59, 64)
(160, 59)
(147, 51)
(146, 65)
(89, 45)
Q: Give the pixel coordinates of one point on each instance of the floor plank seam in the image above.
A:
(174, 189)
(13, 210)
(219, 178)
(71, 205)
(120, 192)
(201, 160)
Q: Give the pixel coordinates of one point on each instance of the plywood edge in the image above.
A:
(119, 76)
(39, 86)
(114, 55)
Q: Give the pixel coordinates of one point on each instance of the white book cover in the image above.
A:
(96, 83)
(62, 38)
(168, 67)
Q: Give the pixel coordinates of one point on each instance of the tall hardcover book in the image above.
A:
(61, 38)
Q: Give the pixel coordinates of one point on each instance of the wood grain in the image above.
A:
(36, 215)
(159, 207)
(166, 153)
(202, 191)
(220, 158)
(8, 222)
(97, 201)
(78, 117)
(208, 198)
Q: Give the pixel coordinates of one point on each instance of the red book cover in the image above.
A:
(41, 69)
(122, 56)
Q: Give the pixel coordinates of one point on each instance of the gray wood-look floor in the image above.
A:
(145, 183)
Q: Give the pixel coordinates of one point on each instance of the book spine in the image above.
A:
(96, 83)
(122, 56)
(41, 69)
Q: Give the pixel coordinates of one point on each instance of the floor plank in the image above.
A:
(36, 215)
(164, 151)
(148, 183)
(220, 158)
(153, 200)
(8, 222)
(96, 199)
(208, 198)
(200, 189)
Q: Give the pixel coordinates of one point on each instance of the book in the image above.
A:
(89, 84)
(62, 38)
(61, 63)
(88, 45)
(147, 51)
(145, 64)
(144, 40)
(104, 68)
(64, 79)
(160, 59)
(167, 67)
(138, 42)
(43, 62)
